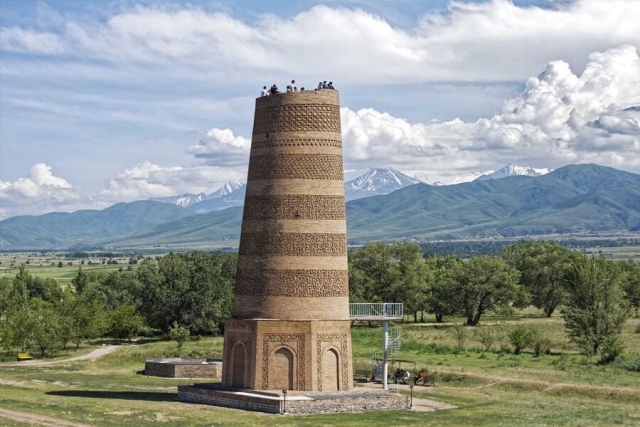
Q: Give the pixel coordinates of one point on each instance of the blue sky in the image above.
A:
(122, 100)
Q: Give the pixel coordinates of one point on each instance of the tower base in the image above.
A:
(299, 355)
(297, 403)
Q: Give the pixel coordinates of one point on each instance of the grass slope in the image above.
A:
(62, 230)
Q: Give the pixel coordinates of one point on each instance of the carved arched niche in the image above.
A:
(283, 377)
(330, 370)
(239, 366)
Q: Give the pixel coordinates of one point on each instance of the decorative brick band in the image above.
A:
(293, 283)
(300, 166)
(294, 206)
(295, 244)
(297, 142)
(296, 118)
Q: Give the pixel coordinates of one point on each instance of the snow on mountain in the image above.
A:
(229, 194)
(226, 189)
(377, 182)
(512, 170)
(184, 200)
(422, 177)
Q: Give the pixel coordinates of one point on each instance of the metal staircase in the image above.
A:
(393, 346)
(391, 343)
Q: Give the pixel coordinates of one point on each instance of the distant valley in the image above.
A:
(572, 199)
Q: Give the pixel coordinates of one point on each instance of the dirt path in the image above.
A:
(34, 419)
(95, 354)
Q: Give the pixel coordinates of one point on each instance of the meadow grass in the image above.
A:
(490, 388)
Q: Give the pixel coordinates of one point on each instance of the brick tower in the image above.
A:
(290, 327)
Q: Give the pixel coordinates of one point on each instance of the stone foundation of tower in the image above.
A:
(303, 355)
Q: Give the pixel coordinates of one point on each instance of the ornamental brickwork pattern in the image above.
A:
(297, 142)
(296, 166)
(338, 342)
(293, 244)
(297, 118)
(273, 342)
(294, 206)
(293, 283)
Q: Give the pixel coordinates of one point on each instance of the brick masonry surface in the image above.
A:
(315, 404)
(194, 368)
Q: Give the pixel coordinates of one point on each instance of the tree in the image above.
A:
(186, 288)
(631, 284)
(81, 317)
(46, 325)
(125, 322)
(80, 282)
(379, 274)
(542, 266)
(179, 334)
(443, 296)
(487, 283)
(596, 307)
(411, 287)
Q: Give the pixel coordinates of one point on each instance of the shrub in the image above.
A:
(485, 336)
(539, 344)
(179, 334)
(459, 332)
(611, 348)
(520, 338)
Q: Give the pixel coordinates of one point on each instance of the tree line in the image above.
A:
(194, 291)
(186, 290)
(596, 295)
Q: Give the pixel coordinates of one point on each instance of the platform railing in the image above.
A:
(364, 311)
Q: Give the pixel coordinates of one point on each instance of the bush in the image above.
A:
(179, 334)
(539, 344)
(485, 336)
(611, 348)
(520, 338)
(459, 332)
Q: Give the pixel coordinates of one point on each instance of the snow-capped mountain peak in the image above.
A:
(228, 188)
(513, 170)
(376, 182)
(184, 200)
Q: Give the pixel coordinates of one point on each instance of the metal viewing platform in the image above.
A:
(376, 311)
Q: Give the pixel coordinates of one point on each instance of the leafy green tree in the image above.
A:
(19, 295)
(125, 322)
(443, 298)
(542, 266)
(631, 283)
(81, 317)
(411, 287)
(179, 334)
(190, 289)
(487, 283)
(379, 274)
(46, 325)
(520, 338)
(80, 282)
(596, 307)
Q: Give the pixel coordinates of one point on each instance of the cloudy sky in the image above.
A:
(103, 102)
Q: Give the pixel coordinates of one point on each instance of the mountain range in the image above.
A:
(571, 199)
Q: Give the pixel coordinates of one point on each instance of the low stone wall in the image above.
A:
(317, 403)
(184, 368)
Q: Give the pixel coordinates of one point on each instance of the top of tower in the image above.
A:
(325, 96)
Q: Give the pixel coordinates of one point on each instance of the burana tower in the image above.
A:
(290, 327)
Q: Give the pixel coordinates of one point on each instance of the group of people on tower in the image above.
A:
(273, 90)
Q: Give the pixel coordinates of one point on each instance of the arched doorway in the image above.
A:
(238, 366)
(283, 370)
(330, 371)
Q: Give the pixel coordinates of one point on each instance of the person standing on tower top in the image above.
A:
(294, 88)
(264, 91)
(324, 85)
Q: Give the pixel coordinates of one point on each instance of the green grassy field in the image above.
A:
(490, 388)
(46, 266)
